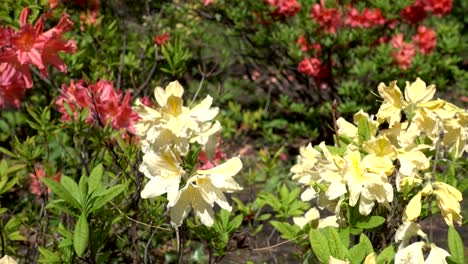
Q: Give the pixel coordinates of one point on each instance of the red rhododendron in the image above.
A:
(313, 67)
(206, 163)
(284, 8)
(438, 7)
(403, 52)
(161, 39)
(415, 12)
(329, 19)
(425, 40)
(305, 46)
(105, 103)
(367, 19)
(30, 46)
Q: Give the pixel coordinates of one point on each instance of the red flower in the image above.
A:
(439, 7)
(329, 19)
(284, 8)
(403, 52)
(425, 40)
(313, 67)
(206, 163)
(161, 39)
(369, 18)
(302, 41)
(414, 13)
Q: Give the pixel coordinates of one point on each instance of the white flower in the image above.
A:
(311, 215)
(164, 173)
(205, 189)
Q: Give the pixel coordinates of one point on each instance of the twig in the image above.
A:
(434, 167)
(335, 126)
(279, 244)
(179, 246)
(145, 260)
(138, 222)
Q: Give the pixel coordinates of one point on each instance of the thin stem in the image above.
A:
(179, 246)
(335, 126)
(434, 168)
(3, 240)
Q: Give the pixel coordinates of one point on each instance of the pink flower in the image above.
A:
(208, 2)
(369, 18)
(161, 39)
(36, 186)
(284, 8)
(302, 41)
(105, 103)
(403, 52)
(313, 67)
(425, 40)
(329, 19)
(206, 163)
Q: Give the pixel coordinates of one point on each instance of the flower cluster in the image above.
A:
(36, 185)
(161, 39)
(31, 45)
(284, 8)
(170, 134)
(389, 156)
(329, 19)
(403, 52)
(106, 105)
(417, 11)
(367, 18)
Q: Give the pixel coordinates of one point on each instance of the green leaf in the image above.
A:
(72, 187)
(337, 249)
(287, 231)
(455, 244)
(364, 132)
(319, 245)
(371, 222)
(48, 256)
(61, 192)
(107, 196)
(344, 236)
(386, 256)
(367, 244)
(81, 235)
(94, 180)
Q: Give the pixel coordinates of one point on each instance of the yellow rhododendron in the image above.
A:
(381, 155)
(418, 93)
(448, 200)
(366, 185)
(203, 190)
(164, 173)
(393, 103)
(413, 209)
(414, 254)
(406, 231)
(7, 260)
(437, 255)
(174, 125)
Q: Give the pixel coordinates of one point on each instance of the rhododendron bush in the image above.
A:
(213, 131)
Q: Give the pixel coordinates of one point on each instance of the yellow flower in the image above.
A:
(164, 173)
(172, 124)
(368, 186)
(406, 231)
(381, 155)
(371, 258)
(412, 160)
(7, 260)
(393, 103)
(448, 200)
(418, 93)
(437, 255)
(413, 209)
(203, 190)
(303, 170)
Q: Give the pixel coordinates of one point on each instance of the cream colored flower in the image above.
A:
(437, 255)
(205, 189)
(371, 258)
(406, 231)
(412, 160)
(333, 260)
(311, 215)
(173, 125)
(303, 170)
(448, 200)
(7, 260)
(411, 254)
(381, 155)
(164, 172)
(418, 93)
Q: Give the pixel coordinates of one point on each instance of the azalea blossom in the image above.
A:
(402, 52)
(329, 19)
(448, 201)
(205, 189)
(284, 8)
(425, 40)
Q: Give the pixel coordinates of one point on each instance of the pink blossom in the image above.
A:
(105, 103)
(310, 66)
(367, 19)
(425, 40)
(403, 52)
(439, 7)
(36, 186)
(284, 8)
(329, 19)
(206, 163)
